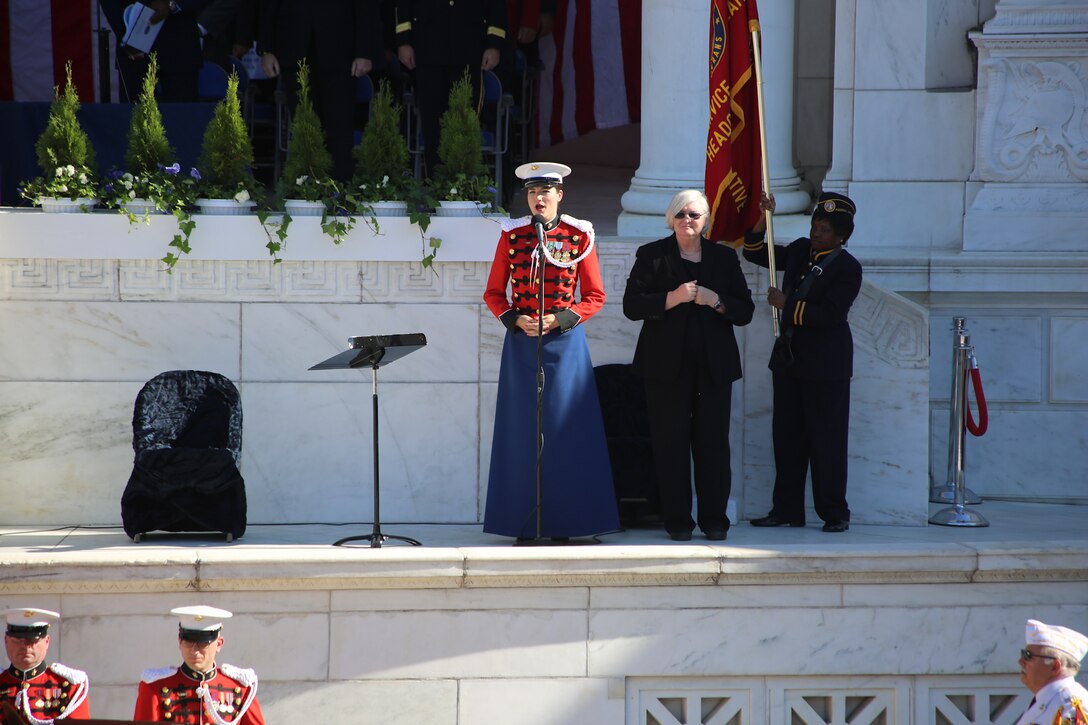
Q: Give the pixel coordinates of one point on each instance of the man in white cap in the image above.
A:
(1048, 665)
(199, 691)
(42, 693)
(577, 495)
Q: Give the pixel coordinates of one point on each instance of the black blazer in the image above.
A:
(445, 33)
(657, 271)
(822, 344)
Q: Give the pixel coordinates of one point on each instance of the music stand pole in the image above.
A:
(376, 537)
(538, 539)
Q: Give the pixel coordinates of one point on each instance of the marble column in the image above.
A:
(842, 123)
(675, 109)
(1028, 190)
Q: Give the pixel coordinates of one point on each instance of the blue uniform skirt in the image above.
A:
(577, 494)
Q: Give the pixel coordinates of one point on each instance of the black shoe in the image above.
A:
(836, 527)
(715, 534)
(680, 535)
(773, 520)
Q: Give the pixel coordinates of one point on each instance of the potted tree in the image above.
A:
(152, 182)
(461, 183)
(306, 184)
(383, 184)
(226, 183)
(66, 158)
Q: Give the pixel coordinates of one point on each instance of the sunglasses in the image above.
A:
(688, 214)
(1029, 655)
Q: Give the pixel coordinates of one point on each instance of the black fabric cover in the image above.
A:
(627, 432)
(187, 438)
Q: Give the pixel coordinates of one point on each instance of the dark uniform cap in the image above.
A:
(542, 173)
(29, 623)
(833, 203)
(200, 623)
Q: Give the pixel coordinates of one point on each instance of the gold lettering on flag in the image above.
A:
(733, 179)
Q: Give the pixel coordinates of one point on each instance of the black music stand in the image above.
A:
(374, 351)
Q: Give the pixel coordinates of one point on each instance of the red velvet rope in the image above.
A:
(983, 418)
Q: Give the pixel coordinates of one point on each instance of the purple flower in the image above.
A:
(109, 188)
(493, 190)
(115, 174)
(194, 173)
(172, 169)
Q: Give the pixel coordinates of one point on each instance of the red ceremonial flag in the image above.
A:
(734, 176)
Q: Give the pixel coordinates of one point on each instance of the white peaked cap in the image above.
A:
(1063, 639)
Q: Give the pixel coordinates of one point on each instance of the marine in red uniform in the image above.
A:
(42, 693)
(199, 691)
(577, 497)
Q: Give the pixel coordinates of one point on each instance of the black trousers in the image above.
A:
(432, 95)
(689, 420)
(811, 424)
(332, 93)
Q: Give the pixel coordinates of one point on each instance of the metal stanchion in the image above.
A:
(957, 514)
(946, 493)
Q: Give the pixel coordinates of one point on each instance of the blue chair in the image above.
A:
(496, 141)
(524, 112)
(211, 83)
(364, 93)
(413, 132)
(494, 137)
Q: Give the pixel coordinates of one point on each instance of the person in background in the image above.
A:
(37, 690)
(177, 48)
(577, 494)
(437, 40)
(340, 39)
(812, 362)
(199, 691)
(1048, 665)
(690, 293)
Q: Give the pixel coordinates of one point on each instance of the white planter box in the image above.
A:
(108, 235)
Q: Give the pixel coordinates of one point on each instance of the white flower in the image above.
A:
(453, 191)
(362, 186)
(132, 194)
(64, 187)
(127, 176)
(71, 170)
(385, 179)
(241, 196)
(301, 180)
(60, 171)
(83, 178)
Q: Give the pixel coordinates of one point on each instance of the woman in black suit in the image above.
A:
(689, 293)
(811, 419)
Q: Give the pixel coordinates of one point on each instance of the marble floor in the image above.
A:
(1011, 523)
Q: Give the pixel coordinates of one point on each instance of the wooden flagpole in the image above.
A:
(753, 26)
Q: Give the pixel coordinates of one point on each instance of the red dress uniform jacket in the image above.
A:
(171, 695)
(567, 239)
(52, 692)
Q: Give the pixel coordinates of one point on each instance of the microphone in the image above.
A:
(538, 225)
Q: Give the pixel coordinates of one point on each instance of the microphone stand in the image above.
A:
(538, 225)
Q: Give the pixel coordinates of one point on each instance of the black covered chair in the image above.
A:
(187, 435)
(627, 433)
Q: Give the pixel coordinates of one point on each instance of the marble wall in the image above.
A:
(92, 331)
(577, 636)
